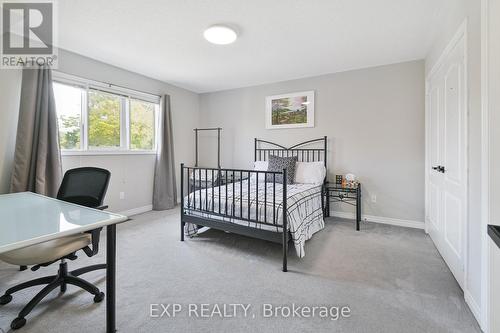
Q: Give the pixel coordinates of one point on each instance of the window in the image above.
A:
(104, 120)
(95, 117)
(69, 101)
(142, 125)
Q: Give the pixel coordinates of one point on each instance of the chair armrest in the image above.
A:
(96, 235)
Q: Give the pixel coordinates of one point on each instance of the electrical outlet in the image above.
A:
(122, 195)
(374, 198)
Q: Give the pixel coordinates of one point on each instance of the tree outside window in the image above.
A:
(107, 115)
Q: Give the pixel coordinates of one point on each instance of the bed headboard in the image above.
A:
(308, 151)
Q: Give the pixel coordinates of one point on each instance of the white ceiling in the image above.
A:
(279, 39)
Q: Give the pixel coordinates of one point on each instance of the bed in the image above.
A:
(253, 203)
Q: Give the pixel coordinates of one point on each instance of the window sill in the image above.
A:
(105, 152)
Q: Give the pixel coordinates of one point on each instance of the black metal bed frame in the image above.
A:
(260, 154)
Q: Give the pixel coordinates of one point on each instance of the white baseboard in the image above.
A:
(380, 219)
(473, 306)
(138, 210)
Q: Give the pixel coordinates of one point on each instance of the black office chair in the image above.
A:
(83, 186)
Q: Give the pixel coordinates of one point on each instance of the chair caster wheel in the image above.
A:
(17, 323)
(98, 298)
(5, 299)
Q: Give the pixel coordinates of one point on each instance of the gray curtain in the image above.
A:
(37, 160)
(165, 189)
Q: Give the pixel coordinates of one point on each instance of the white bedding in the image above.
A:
(304, 209)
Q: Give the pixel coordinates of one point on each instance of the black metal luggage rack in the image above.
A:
(219, 177)
(217, 181)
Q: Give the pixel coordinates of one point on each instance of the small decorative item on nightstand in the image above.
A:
(339, 179)
(351, 181)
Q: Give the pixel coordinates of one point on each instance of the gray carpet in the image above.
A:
(392, 279)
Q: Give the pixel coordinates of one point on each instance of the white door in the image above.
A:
(446, 209)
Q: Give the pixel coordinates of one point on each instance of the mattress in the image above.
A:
(251, 200)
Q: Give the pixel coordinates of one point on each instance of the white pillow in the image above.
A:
(259, 166)
(310, 172)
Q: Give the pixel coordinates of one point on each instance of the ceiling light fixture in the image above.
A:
(220, 34)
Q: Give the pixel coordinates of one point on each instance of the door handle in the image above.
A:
(439, 168)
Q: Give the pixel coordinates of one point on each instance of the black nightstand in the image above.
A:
(348, 195)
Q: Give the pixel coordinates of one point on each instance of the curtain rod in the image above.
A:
(110, 85)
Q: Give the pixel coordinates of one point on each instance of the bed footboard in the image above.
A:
(219, 198)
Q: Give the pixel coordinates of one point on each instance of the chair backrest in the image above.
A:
(84, 186)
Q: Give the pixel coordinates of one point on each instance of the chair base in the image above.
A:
(61, 280)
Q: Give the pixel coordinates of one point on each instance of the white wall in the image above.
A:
(374, 119)
(494, 107)
(457, 12)
(454, 13)
(132, 174)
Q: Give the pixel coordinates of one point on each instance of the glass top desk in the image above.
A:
(27, 218)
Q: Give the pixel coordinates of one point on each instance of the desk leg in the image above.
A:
(358, 208)
(110, 279)
(327, 203)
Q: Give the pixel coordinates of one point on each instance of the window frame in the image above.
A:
(126, 95)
